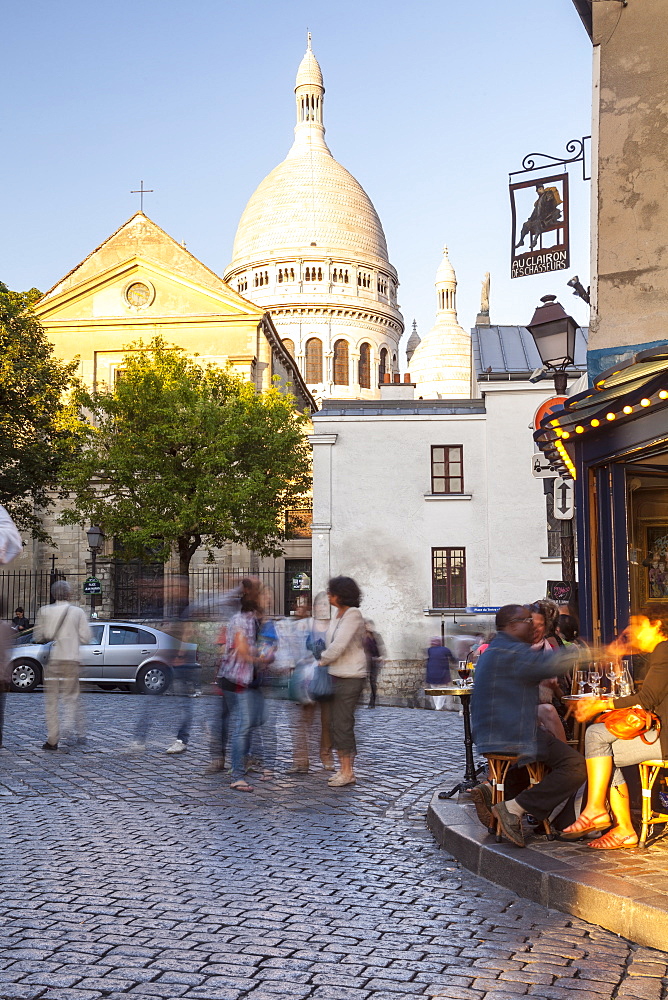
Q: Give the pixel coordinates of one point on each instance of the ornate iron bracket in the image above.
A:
(574, 146)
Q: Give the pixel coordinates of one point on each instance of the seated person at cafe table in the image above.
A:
(647, 633)
(504, 721)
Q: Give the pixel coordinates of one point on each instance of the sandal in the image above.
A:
(583, 826)
(241, 786)
(612, 841)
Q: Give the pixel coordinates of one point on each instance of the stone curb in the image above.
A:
(606, 900)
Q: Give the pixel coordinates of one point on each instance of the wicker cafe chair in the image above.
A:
(649, 772)
(499, 765)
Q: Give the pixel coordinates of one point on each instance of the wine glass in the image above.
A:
(581, 677)
(611, 674)
(594, 679)
(598, 674)
(464, 672)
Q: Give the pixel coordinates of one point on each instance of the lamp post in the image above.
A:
(553, 331)
(95, 538)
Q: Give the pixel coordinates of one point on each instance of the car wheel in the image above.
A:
(153, 679)
(26, 675)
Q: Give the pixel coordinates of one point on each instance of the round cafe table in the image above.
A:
(470, 779)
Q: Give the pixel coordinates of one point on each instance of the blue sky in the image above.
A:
(428, 104)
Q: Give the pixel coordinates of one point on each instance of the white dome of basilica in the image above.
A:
(309, 201)
(310, 249)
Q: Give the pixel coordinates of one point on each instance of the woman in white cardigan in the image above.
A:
(345, 659)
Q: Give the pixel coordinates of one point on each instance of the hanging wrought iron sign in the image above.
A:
(539, 208)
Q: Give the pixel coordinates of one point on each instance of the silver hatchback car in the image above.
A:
(122, 654)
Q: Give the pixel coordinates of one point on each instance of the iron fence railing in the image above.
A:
(148, 592)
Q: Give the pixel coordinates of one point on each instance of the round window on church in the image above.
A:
(139, 294)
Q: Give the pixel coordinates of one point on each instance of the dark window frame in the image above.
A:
(448, 591)
(364, 366)
(447, 477)
(341, 372)
(313, 357)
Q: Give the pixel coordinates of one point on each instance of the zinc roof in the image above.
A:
(505, 350)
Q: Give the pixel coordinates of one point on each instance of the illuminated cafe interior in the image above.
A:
(612, 440)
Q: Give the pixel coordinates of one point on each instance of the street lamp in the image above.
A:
(553, 331)
(95, 538)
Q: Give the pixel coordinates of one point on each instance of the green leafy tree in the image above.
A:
(39, 425)
(180, 455)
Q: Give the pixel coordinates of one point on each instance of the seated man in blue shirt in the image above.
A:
(504, 720)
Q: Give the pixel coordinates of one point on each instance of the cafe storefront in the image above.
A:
(612, 440)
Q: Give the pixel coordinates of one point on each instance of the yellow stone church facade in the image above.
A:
(138, 284)
(141, 283)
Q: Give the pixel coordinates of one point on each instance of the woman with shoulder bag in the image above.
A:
(235, 677)
(345, 658)
(647, 633)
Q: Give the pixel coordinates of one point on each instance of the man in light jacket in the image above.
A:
(67, 626)
(10, 541)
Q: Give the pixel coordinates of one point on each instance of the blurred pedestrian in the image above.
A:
(235, 676)
(6, 637)
(264, 693)
(310, 631)
(437, 672)
(226, 606)
(439, 661)
(66, 627)
(345, 659)
(184, 671)
(375, 653)
(10, 541)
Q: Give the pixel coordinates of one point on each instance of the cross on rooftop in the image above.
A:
(141, 191)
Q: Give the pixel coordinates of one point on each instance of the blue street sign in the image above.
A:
(483, 610)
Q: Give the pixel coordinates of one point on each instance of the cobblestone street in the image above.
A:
(139, 876)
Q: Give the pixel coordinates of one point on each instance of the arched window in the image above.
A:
(341, 362)
(289, 345)
(365, 366)
(382, 368)
(313, 361)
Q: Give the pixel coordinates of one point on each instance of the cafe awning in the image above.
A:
(617, 396)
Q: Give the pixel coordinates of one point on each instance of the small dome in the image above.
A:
(413, 343)
(446, 271)
(441, 363)
(309, 73)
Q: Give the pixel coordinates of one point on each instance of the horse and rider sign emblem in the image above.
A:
(540, 238)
